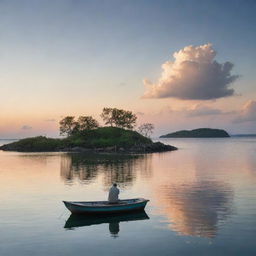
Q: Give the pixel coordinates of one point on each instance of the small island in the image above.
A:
(102, 139)
(198, 133)
(85, 135)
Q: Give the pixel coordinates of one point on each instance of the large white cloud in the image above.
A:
(248, 112)
(193, 75)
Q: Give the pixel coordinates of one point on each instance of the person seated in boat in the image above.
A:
(113, 194)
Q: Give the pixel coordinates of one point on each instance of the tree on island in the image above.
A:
(111, 116)
(146, 129)
(86, 123)
(69, 126)
(119, 118)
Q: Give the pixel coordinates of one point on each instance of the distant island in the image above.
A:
(198, 133)
(85, 135)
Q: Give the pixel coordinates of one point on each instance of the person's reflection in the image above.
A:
(114, 229)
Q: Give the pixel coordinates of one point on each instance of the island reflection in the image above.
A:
(121, 169)
(75, 221)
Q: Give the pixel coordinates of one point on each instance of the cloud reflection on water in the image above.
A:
(197, 208)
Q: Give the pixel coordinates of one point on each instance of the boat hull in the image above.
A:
(105, 207)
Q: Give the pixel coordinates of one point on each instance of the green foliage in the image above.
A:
(119, 118)
(111, 116)
(86, 123)
(108, 137)
(38, 144)
(69, 126)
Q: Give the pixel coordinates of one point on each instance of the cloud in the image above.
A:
(193, 75)
(248, 112)
(26, 127)
(199, 110)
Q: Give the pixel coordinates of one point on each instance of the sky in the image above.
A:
(176, 64)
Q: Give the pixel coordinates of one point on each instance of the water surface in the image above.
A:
(202, 201)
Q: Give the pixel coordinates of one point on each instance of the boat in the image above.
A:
(104, 207)
(79, 220)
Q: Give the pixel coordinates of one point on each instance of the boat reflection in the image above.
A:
(75, 221)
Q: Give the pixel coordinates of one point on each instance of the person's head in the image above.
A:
(114, 184)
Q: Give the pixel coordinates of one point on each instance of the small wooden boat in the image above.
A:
(104, 207)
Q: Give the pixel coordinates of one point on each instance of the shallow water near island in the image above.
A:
(202, 201)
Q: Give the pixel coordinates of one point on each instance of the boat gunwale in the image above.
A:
(79, 204)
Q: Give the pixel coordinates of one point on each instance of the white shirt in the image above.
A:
(113, 194)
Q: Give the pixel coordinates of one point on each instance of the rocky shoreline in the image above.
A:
(142, 148)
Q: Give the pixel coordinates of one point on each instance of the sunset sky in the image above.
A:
(176, 64)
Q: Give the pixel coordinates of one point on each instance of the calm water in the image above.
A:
(202, 201)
